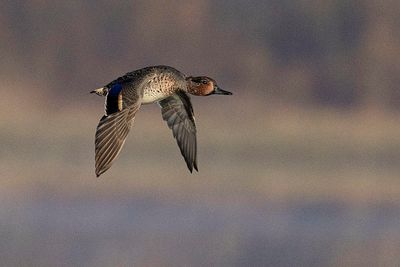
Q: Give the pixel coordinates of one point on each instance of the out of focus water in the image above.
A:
(321, 191)
(299, 167)
(145, 230)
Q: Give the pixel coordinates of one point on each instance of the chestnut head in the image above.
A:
(204, 86)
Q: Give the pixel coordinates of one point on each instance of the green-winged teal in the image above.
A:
(162, 84)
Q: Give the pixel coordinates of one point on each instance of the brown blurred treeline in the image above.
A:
(338, 53)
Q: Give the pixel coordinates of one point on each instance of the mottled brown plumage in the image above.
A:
(162, 84)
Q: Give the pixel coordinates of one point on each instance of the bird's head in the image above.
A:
(204, 86)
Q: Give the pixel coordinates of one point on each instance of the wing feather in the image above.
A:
(111, 134)
(177, 111)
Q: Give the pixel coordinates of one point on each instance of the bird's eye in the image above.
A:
(204, 82)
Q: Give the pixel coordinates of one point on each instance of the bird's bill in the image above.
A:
(219, 91)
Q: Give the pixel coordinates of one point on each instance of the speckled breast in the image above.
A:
(157, 88)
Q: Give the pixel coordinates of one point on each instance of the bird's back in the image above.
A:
(151, 84)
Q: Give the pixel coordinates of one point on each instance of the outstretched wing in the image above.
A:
(177, 111)
(111, 133)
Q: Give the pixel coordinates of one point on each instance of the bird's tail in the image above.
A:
(100, 91)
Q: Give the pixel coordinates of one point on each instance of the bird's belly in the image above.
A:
(151, 96)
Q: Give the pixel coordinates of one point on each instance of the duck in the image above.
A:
(167, 87)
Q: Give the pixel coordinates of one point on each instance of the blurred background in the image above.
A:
(300, 167)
